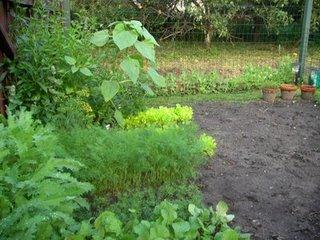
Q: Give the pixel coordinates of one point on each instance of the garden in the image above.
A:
(118, 126)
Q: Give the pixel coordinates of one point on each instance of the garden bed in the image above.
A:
(267, 167)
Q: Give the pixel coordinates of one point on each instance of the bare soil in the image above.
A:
(267, 167)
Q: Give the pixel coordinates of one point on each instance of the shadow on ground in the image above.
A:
(267, 167)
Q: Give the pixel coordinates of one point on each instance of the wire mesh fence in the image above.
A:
(198, 35)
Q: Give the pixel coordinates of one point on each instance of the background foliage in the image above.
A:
(213, 19)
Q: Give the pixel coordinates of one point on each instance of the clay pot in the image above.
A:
(269, 94)
(307, 92)
(288, 91)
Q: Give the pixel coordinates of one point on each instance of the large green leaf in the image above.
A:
(159, 231)
(156, 78)
(70, 60)
(109, 89)
(148, 90)
(132, 68)
(137, 25)
(109, 223)
(222, 208)
(119, 118)
(148, 36)
(74, 69)
(228, 234)
(180, 228)
(100, 38)
(86, 71)
(146, 48)
(124, 38)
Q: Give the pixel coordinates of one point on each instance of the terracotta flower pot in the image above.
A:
(307, 92)
(288, 91)
(269, 94)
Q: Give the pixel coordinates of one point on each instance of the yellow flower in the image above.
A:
(86, 107)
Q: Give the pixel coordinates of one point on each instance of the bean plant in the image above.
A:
(139, 46)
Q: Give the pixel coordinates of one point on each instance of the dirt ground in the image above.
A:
(267, 167)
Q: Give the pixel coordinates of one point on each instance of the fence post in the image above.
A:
(305, 38)
(66, 13)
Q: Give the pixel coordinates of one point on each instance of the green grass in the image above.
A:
(228, 58)
(191, 99)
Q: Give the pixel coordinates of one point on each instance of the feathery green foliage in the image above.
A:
(121, 160)
(38, 192)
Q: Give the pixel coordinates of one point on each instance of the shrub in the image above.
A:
(43, 78)
(160, 117)
(38, 193)
(55, 64)
(121, 160)
(166, 223)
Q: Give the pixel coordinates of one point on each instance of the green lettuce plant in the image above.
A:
(209, 144)
(160, 117)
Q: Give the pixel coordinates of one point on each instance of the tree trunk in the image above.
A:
(208, 37)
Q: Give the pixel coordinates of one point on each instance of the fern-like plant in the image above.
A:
(38, 193)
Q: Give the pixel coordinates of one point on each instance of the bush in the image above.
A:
(43, 78)
(166, 223)
(38, 193)
(121, 160)
(55, 66)
(160, 117)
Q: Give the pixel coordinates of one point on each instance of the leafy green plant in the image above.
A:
(252, 78)
(191, 83)
(120, 160)
(144, 201)
(160, 117)
(38, 193)
(284, 72)
(43, 78)
(54, 64)
(166, 223)
(209, 145)
(139, 46)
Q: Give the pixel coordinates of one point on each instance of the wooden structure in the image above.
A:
(6, 44)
